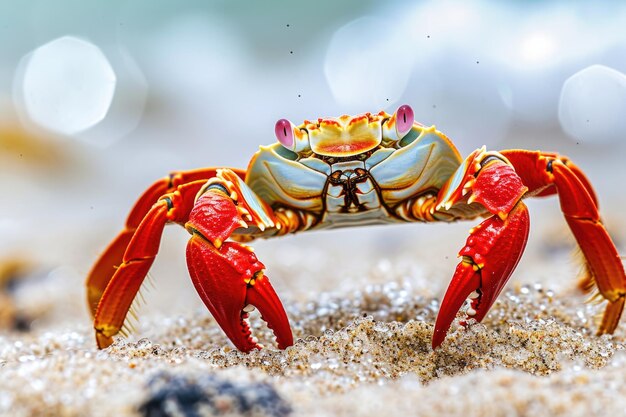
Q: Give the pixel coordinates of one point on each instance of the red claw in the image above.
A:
(262, 296)
(490, 255)
(465, 281)
(228, 276)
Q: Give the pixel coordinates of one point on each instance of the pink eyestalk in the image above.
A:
(397, 126)
(291, 137)
(404, 120)
(284, 133)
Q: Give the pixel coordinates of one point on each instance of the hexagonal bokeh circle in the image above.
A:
(67, 85)
(593, 104)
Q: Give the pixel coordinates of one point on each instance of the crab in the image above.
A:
(350, 171)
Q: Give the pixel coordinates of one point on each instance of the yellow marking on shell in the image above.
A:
(345, 136)
(331, 122)
(299, 134)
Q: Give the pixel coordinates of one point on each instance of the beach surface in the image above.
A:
(362, 323)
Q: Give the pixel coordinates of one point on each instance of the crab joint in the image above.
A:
(468, 260)
(213, 185)
(252, 280)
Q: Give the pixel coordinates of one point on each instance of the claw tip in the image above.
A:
(438, 338)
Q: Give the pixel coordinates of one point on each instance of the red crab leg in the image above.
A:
(138, 258)
(531, 166)
(232, 271)
(494, 247)
(580, 209)
(228, 276)
(104, 268)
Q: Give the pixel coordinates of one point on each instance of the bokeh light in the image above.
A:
(537, 48)
(128, 104)
(367, 65)
(67, 85)
(593, 105)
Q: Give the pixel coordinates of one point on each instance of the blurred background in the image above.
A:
(99, 99)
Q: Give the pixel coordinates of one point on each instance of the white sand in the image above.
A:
(364, 351)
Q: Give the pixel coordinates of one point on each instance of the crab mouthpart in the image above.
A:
(229, 280)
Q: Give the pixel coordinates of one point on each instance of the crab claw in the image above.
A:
(490, 255)
(228, 280)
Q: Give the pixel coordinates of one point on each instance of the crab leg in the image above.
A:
(227, 276)
(138, 258)
(580, 209)
(494, 247)
(531, 166)
(104, 268)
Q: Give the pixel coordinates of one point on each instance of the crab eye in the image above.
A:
(291, 136)
(284, 133)
(404, 120)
